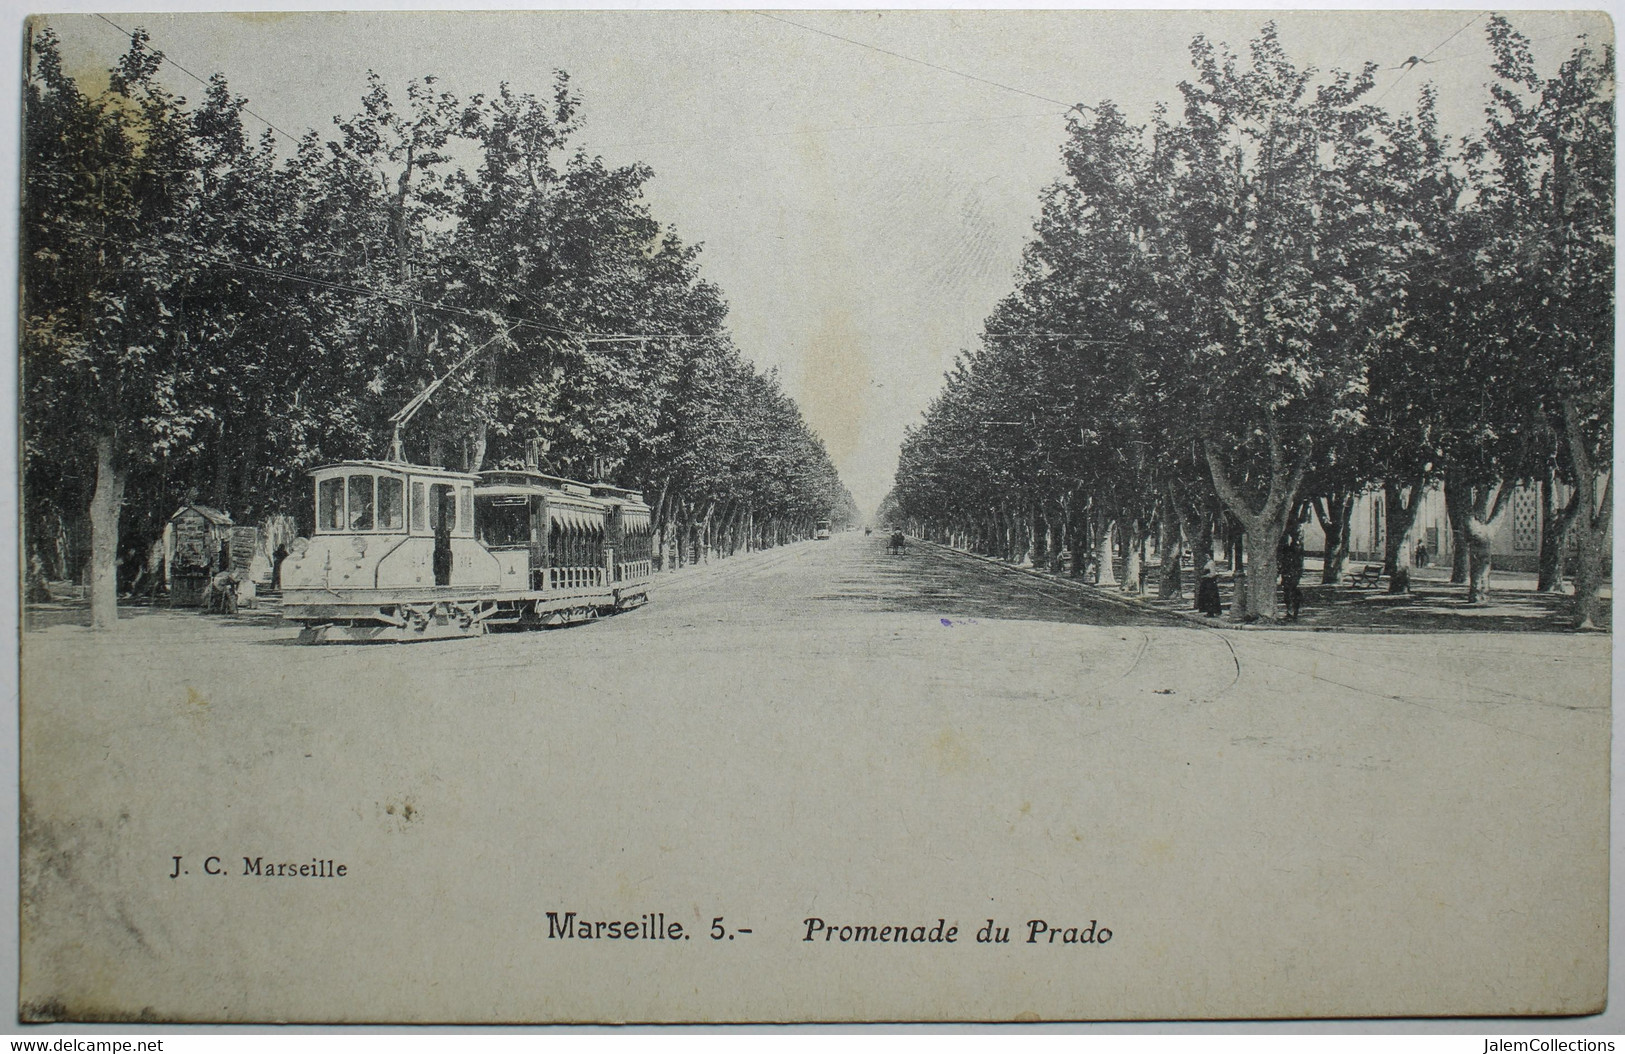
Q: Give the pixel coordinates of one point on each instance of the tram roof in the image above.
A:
(535, 477)
(558, 500)
(554, 495)
(399, 467)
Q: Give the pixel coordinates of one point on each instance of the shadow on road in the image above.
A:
(928, 580)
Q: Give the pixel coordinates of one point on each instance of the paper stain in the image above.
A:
(68, 876)
(1156, 849)
(196, 708)
(402, 813)
(91, 75)
(836, 373)
(952, 752)
(266, 18)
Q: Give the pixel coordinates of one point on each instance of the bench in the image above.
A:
(1367, 577)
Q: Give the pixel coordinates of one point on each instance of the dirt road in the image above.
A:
(1268, 823)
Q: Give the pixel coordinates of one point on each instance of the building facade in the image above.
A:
(1514, 536)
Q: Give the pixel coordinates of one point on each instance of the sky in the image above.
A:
(862, 183)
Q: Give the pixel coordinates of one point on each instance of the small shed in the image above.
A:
(201, 548)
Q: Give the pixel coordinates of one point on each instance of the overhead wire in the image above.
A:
(165, 58)
(1424, 58)
(922, 62)
(589, 337)
(834, 129)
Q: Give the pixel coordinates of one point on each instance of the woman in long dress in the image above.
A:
(1207, 589)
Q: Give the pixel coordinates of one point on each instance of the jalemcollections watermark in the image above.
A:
(1541, 1046)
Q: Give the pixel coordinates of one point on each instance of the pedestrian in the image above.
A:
(1291, 561)
(156, 567)
(131, 568)
(445, 514)
(1422, 554)
(221, 595)
(1207, 589)
(35, 591)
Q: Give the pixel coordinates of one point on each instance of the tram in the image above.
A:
(405, 552)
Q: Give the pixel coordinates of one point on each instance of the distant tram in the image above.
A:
(409, 552)
(821, 530)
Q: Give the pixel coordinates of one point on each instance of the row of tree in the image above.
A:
(206, 316)
(1286, 296)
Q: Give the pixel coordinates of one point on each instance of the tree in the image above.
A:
(106, 188)
(1275, 225)
(1550, 195)
(202, 318)
(1282, 300)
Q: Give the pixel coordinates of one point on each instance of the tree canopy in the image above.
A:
(1279, 294)
(208, 313)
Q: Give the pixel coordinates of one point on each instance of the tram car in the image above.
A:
(405, 552)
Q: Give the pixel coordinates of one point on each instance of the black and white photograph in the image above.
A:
(814, 516)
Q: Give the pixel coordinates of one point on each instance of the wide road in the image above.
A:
(1269, 822)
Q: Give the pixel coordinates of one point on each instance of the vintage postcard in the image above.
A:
(815, 516)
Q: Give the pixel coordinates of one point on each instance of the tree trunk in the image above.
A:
(1040, 549)
(105, 503)
(1076, 544)
(1170, 546)
(476, 447)
(680, 522)
(657, 524)
(1256, 589)
(1264, 526)
(1401, 522)
(1334, 511)
(1592, 547)
(1593, 521)
(1131, 557)
(1203, 549)
(1456, 511)
(218, 496)
(1345, 535)
(1483, 504)
(1478, 561)
(1556, 520)
(1105, 574)
(729, 542)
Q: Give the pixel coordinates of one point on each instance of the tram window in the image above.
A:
(361, 503)
(465, 505)
(504, 522)
(391, 503)
(330, 504)
(420, 507)
(441, 504)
